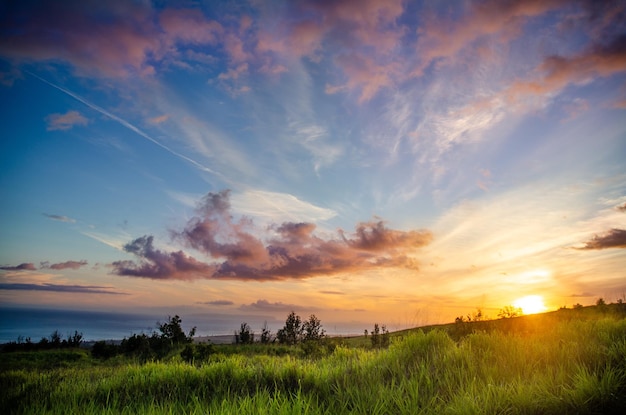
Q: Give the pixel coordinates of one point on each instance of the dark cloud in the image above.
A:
(585, 294)
(290, 250)
(621, 208)
(86, 289)
(615, 238)
(333, 292)
(64, 265)
(219, 302)
(59, 218)
(157, 264)
(264, 305)
(26, 266)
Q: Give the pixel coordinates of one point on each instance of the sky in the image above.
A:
(399, 162)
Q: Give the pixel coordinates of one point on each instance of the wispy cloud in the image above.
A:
(128, 125)
(64, 265)
(59, 218)
(65, 121)
(26, 266)
(159, 119)
(290, 251)
(275, 206)
(84, 289)
(218, 302)
(264, 305)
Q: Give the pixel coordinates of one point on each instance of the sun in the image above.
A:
(531, 304)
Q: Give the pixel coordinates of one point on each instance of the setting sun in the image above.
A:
(530, 304)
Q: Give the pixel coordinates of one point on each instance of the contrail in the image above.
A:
(127, 125)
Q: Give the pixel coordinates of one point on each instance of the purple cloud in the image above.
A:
(291, 251)
(157, 264)
(64, 265)
(219, 302)
(264, 305)
(26, 266)
(615, 238)
(87, 289)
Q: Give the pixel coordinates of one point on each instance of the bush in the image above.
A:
(103, 350)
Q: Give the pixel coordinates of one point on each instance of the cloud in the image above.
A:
(159, 119)
(219, 302)
(444, 39)
(112, 41)
(621, 208)
(59, 218)
(64, 265)
(26, 266)
(156, 264)
(85, 289)
(289, 251)
(615, 238)
(264, 305)
(65, 121)
(557, 72)
(360, 38)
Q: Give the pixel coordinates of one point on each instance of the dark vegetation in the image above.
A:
(567, 361)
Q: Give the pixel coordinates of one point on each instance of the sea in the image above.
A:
(18, 324)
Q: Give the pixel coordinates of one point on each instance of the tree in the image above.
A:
(266, 334)
(173, 331)
(291, 333)
(509, 312)
(379, 336)
(244, 335)
(312, 329)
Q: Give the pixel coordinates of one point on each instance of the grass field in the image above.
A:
(558, 363)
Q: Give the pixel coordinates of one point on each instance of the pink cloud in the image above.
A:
(443, 38)
(64, 265)
(557, 72)
(364, 74)
(159, 119)
(293, 251)
(189, 26)
(65, 121)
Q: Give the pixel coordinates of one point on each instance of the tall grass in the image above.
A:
(558, 368)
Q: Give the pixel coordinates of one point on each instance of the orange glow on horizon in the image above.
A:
(531, 304)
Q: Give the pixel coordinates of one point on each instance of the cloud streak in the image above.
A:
(266, 306)
(128, 125)
(26, 266)
(60, 218)
(289, 251)
(84, 289)
(64, 265)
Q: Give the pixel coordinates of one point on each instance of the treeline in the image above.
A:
(169, 338)
(54, 341)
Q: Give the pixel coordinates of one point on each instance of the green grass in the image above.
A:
(546, 364)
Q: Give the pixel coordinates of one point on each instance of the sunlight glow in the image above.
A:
(530, 304)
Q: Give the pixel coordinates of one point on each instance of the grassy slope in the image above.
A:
(571, 361)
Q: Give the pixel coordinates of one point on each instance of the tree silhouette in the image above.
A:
(245, 335)
(291, 333)
(312, 329)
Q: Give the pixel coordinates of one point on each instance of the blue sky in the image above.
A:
(367, 161)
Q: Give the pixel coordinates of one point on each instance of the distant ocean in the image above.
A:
(99, 325)
(95, 325)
